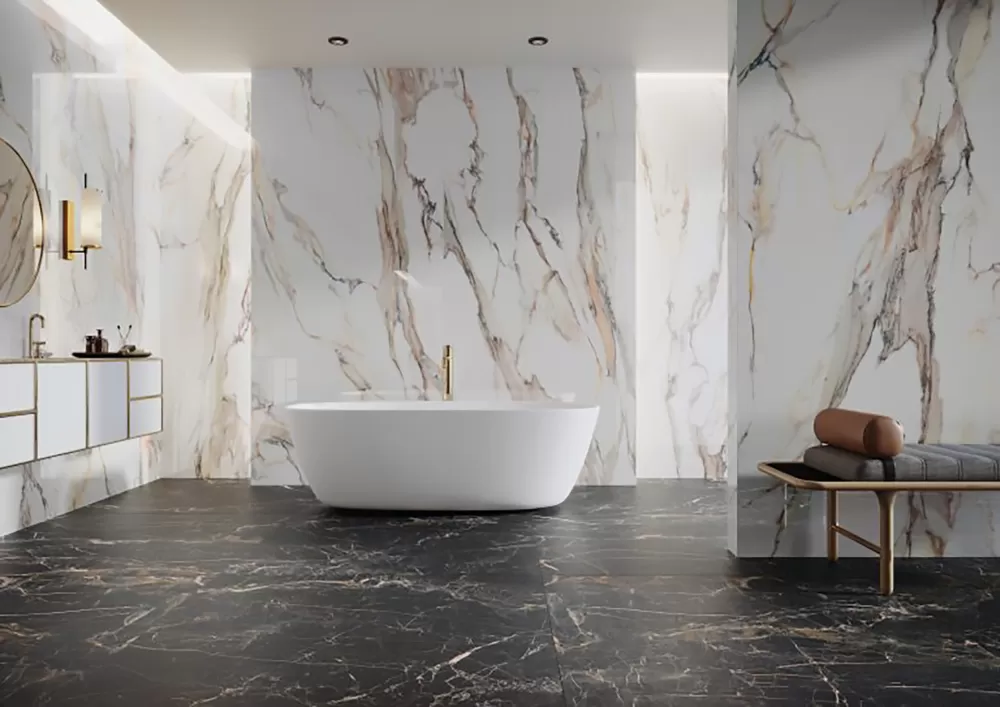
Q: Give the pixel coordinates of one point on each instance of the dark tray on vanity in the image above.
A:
(113, 354)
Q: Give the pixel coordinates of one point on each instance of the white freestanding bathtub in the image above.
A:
(442, 456)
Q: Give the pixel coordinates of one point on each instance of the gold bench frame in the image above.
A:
(886, 492)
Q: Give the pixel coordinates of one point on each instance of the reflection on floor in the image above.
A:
(196, 593)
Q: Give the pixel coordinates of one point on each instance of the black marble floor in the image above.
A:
(195, 593)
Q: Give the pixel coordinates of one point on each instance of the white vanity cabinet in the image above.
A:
(62, 408)
(59, 406)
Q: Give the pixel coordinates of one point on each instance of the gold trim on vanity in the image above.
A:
(144, 397)
(86, 402)
(34, 452)
(128, 398)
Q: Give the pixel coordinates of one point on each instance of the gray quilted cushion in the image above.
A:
(917, 462)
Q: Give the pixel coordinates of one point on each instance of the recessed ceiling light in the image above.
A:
(338, 41)
(538, 41)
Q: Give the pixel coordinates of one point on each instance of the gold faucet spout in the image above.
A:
(448, 373)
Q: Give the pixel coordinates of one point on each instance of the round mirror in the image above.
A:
(22, 227)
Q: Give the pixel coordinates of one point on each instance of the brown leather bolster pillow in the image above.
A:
(861, 432)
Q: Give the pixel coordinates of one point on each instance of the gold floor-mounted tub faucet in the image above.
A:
(448, 373)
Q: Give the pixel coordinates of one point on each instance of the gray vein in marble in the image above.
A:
(591, 261)
(406, 89)
(444, 223)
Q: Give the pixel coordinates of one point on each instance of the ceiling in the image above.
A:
(235, 35)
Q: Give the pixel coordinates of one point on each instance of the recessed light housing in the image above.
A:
(538, 41)
(338, 41)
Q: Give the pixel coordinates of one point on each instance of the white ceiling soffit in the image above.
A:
(234, 35)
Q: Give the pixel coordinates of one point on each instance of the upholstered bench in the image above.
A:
(861, 451)
(917, 468)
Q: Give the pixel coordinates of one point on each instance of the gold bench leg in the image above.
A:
(832, 519)
(886, 500)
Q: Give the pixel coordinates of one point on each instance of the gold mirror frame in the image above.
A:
(41, 212)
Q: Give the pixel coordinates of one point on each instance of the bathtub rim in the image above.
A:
(439, 406)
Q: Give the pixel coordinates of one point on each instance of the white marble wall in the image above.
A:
(17, 128)
(67, 125)
(175, 263)
(508, 195)
(199, 186)
(867, 248)
(682, 309)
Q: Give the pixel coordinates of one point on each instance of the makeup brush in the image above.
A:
(124, 337)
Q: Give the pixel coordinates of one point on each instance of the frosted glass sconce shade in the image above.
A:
(38, 227)
(91, 218)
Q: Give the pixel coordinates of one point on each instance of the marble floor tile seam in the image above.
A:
(554, 646)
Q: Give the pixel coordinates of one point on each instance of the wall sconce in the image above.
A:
(91, 224)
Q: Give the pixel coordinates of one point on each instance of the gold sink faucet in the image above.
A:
(35, 347)
(448, 372)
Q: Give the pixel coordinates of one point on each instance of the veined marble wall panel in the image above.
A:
(733, 281)
(88, 127)
(17, 127)
(682, 308)
(202, 221)
(399, 210)
(69, 120)
(866, 267)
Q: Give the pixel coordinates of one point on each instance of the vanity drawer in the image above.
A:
(145, 379)
(107, 402)
(62, 408)
(17, 387)
(145, 417)
(17, 440)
